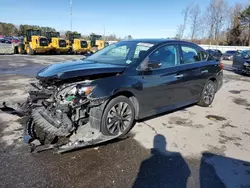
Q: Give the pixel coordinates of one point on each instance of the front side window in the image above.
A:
(190, 55)
(166, 56)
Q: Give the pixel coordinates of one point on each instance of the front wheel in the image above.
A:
(118, 117)
(30, 51)
(208, 94)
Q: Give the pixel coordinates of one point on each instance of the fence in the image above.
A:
(225, 48)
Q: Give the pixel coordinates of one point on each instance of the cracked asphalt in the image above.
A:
(191, 147)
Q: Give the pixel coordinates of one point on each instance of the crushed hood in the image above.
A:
(77, 68)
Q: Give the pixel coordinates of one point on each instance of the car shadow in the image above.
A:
(220, 172)
(165, 113)
(163, 168)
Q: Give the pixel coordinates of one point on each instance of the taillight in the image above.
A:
(221, 66)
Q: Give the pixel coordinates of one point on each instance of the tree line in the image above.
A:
(217, 24)
(9, 29)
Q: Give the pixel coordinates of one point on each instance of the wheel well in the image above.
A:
(132, 98)
(214, 80)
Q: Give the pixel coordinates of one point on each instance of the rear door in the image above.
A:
(195, 69)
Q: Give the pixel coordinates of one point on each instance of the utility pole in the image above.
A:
(104, 32)
(70, 2)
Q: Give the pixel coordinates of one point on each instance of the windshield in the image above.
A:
(121, 53)
(246, 52)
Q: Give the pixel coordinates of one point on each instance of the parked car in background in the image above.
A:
(241, 61)
(228, 55)
(4, 40)
(217, 54)
(12, 39)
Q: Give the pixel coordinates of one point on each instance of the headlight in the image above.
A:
(85, 90)
(246, 64)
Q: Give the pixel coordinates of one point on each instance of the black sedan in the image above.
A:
(101, 97)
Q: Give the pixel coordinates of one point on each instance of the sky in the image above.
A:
(138, 18)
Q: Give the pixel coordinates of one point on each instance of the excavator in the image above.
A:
(58, 45)
(33, 43)
(76, 44)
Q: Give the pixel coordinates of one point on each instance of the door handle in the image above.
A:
(205, 71)
(179, 76)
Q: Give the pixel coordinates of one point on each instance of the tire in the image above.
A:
(35, 132)
(30, 51)
(208, 94)
(120, 126)
(16, 50)
(20, 49)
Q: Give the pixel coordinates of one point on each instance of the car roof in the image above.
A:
(156, 41)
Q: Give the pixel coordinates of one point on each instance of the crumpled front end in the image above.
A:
(61, 113)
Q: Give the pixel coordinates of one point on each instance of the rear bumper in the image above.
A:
(42, 49)
(62, 49)
(84, 50)
(219, 79)
(227, 57)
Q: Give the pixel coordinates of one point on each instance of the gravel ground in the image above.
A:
(200, 147)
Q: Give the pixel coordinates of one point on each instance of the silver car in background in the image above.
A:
(228, 55)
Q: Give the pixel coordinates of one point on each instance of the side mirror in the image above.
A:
(154, 64)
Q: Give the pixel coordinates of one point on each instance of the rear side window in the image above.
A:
(204, 56)
(190, 55)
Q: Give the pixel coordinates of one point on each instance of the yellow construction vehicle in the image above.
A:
(33, 43)
(77, 45)
(58, 45)
(95, 43)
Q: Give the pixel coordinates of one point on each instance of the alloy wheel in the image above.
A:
(209, 93)
(119, 118)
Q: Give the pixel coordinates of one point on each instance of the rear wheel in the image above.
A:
(208, 94)
(118, 117)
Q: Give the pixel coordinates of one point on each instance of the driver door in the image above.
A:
(163, 83)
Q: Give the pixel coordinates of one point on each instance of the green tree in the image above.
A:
(245, 20)
(8, 29)
(69, 32)
(233, 36)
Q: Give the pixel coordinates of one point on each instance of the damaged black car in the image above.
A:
(85, 102)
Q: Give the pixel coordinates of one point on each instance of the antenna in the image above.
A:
(104, 32)
(70, 2)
